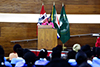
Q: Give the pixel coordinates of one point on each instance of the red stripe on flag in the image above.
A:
(42, 10)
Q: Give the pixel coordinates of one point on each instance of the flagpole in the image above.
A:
(64, 47)
(53, 3)
(42, 3)
(62, 4)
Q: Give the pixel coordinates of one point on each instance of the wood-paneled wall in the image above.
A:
(21, 31)
(34, 6)
(17, 31)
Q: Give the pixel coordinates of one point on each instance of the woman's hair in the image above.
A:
(16, 47)
(30, 58)
(71, 55)
(87, 49)
(81, 57)
(43, 53)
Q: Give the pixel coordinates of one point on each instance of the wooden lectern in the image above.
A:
(47, 37)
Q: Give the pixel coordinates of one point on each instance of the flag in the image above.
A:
(55, 20)
(64, 31)
(43, 16)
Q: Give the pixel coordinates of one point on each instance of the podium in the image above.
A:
(47, 37)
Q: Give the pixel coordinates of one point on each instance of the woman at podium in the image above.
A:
(48, 22)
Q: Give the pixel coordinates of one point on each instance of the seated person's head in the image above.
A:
(43, 53)
(86, 48)
(30, 58)
(81, 57)
(76, 47)
(16, 47)
(12, 55)
(56, 54)
(59, 47)
(71, 55)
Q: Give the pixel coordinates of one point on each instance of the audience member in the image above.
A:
(12, 55)
(30, 59)
(42, 58)
(76, 47)
(55, 53)
(59, 47)
(16, 47)
(20, 62)
(87, 49)
(80, 57)
(97, 44)
(3, 62)
(19, 50)
(71, 58)
(96, 60)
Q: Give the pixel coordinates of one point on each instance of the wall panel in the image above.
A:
(17, 31)
(82, 9)
(21, 31)
(34, 6)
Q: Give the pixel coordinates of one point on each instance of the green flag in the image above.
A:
(64, 31)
